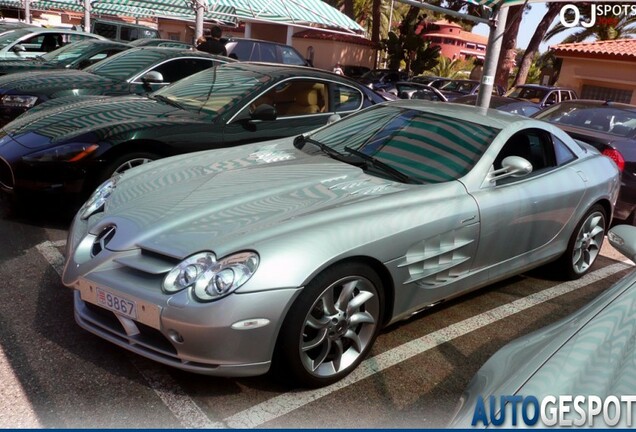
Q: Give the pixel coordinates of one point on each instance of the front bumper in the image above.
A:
(200, 343)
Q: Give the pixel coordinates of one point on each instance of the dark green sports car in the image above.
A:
(77, 55)
(134, 71)
(72, 144)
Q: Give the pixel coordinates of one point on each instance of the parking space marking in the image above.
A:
(167, 389)
(283, 404)
(191, 416)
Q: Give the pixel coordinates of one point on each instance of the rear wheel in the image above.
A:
(128, 161)
(332, 325)
(585, 244)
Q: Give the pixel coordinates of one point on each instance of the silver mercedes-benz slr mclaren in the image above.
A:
(298, 251)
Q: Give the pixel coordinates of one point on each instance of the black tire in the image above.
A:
(584, 245)
(339, 337)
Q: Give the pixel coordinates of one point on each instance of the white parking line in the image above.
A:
(285, 403)
(167, 389)
(190, 415)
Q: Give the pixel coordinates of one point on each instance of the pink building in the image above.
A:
(455, 42)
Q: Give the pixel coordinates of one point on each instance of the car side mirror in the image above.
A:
(333, 118)
(19, 48)
(623, 238)
(512, 166)
(264, 112)
(152, 77)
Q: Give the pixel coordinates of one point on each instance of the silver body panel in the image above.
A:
(304, 212)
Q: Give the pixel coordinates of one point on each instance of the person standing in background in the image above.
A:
(337, 69)
(213, 44)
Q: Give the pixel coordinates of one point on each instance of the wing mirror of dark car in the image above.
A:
(623, 238)
(149, 78)
(264, 112)
(19, 48)
(333, 118)
(512, 166)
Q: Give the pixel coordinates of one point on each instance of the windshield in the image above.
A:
(126, 64)
(458, 86)
(214, 90)
(11, 36)
(375, 74)
(602, 118)
(528, 93)
(67, 53)
(425, 146)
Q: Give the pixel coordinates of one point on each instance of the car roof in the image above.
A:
(599, 104)
(542, 87)
(175, 52)
(39, 30)
(235, 39)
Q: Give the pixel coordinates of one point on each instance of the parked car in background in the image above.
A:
(133, 71)
(30, 42)
(413, 90)
(70, 146)
(383, 79)
(122, 31)
(432, 81)
(354, 71)
(461, 87)
(589, 353)
(12, 25)
(300, 250)
(506, 104)
(167, 43)
(611, 128)
(263, 51)
(77, 55)
(542, 95)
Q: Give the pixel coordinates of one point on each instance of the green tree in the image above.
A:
(447, 68)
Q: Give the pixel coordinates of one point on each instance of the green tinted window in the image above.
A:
(127, 64)
(429, 147)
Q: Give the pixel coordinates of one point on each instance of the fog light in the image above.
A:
(175, 336)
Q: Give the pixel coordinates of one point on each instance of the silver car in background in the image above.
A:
(589, 353)
(298, 251)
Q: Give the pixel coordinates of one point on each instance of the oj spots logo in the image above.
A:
(596, 14)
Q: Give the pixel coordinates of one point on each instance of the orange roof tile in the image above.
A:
(621, 49)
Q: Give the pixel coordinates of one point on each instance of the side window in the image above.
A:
(268, 53)
(289, 56)
(241, 50)
(551, 99)
(346, 98)
(129, 34)
(33, 44)
(565, 95)
(563, 153)
(534, 145)
(107, 30)
(176, 69)
(297, 97)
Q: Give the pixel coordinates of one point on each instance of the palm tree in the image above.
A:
(509, 46)
(446, 67)
(533, 46)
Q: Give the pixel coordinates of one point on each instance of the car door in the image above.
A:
(521, 215)
(301, 104)
(171, 70)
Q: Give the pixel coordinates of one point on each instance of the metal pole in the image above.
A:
(87, 16)
(27, 11)
(495, 39)
(198, 28)
(444, 11)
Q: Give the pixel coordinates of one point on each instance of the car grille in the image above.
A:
(149, 339)
(6, 175)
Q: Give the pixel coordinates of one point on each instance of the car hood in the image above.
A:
(12, 66)
(102, 117)
(220, 199)
(49, 81)
(590, 352)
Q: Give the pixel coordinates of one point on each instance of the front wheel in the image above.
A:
(332, 325)
(128, 161)
(585, 244)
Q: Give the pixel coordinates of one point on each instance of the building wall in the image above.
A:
(328, 52)
(576, 72)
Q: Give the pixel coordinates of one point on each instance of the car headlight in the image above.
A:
(211, 279)
(98, 199)
(68, 153)
(21, 101)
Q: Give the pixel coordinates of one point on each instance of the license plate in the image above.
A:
(117, 304)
